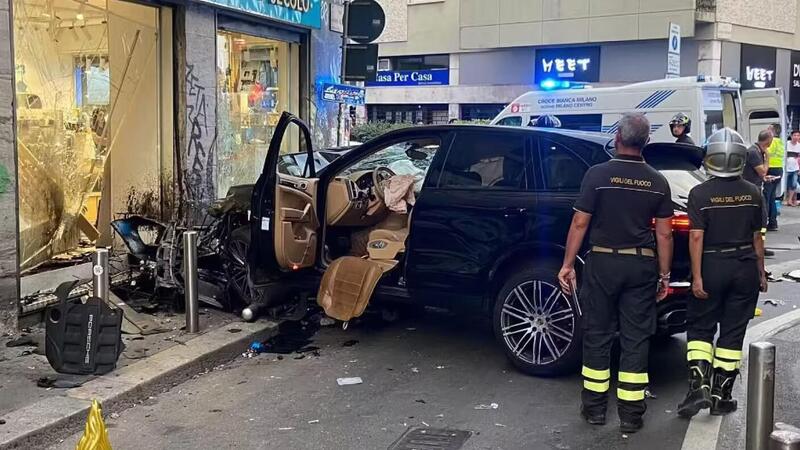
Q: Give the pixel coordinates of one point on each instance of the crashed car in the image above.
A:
(481, 227)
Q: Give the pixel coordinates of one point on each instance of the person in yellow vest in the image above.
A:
(775, 155)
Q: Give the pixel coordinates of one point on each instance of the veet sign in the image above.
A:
(433, 77)
(299, 12)
(757, 67)
(569, 63)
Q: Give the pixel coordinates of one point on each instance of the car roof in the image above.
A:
(591, 136)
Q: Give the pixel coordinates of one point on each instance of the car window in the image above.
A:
(409, 157)
(510, 121)
(294, 164)
(485, 160)
(563, 168)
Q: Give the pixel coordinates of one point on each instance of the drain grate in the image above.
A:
(431, 439)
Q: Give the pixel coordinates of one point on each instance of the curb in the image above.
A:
(34, 425)
(703, 431)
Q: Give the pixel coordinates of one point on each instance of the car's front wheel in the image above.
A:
(537, 324)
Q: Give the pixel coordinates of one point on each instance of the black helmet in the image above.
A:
(681, 119)
(546, 121)
(725, 154)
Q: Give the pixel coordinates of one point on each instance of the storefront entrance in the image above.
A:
(258, 79)
(94, 121)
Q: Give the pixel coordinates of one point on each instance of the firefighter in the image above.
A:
(624, 275)
(681, 126)
(727, 252)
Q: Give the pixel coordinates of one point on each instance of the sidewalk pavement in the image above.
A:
(31, 416)
(787, 389)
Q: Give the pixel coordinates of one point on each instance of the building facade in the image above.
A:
(114, 107)
(466, 59)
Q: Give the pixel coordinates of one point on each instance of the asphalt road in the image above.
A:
(430, 371)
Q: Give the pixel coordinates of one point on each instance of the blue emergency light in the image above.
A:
(550, 84)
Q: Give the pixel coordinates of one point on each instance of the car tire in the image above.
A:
(542, 336)
(240, 294)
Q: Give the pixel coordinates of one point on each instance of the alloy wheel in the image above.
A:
(537, 322)
(237, 272)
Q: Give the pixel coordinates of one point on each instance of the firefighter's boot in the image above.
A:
(699, 395)
(722, 401)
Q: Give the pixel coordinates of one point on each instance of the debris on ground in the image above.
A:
(794, 275)
(285, 428)
(649, 394)
(234, 330)
(424, 423)
(774, 302)
(499, 425)
(350, 343)
(2, 422)
(311, 422)
(59, 383)
(415, 370)
(420, 401)
(348, 381)
(22, 341)
(489, 406)
(758, 312)
(114, 415)
(327, 322)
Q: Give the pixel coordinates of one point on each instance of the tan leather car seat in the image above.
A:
(347, 287)
(394, 228)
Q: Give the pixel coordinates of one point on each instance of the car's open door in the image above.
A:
(284, 224)
(760, 108)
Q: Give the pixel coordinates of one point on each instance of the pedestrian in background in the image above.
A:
(792, 167)
(727, 253)
(624, 275)
(772, 181)
(755, 171)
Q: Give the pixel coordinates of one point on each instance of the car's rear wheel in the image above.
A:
(537, 324)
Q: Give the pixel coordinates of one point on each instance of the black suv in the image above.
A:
(486, 231)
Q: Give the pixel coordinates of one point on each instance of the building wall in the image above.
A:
(509, 23)
(196, 35)
(774, 15)
(432, 27)
(9, 282)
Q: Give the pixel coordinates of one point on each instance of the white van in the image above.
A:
(710, 102)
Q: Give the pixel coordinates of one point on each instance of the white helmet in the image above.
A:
(725, 154)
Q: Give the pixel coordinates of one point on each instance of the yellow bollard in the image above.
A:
(95, 436)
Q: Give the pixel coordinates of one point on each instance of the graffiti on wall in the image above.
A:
(198, 171)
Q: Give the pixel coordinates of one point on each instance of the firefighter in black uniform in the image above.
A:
(727, 251)
(624, 274)
(680, 126)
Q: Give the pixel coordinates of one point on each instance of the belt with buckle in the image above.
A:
(729, 249)
(638, 251)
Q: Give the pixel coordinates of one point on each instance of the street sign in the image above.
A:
(674, 51)
(342, 93)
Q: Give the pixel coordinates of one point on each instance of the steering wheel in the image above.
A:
(381, 175)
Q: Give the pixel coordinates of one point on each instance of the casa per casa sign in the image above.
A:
(431, 77)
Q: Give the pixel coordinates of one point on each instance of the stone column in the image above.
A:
(195, 33)
(9, 262)
(709, 57)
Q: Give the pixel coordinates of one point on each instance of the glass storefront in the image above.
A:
(89, 119)
(258, 79)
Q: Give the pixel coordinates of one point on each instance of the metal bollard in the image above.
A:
(100, 280)
(190, 281)
(785, 437)
(760, 395)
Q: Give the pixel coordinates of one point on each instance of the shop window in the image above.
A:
(426, 62)
(481, 112)
(92, 131)
(258, 80)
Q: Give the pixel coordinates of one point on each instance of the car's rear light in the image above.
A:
(679, 222)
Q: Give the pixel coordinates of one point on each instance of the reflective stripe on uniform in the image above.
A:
(700, 345)
(730, 366)
(630, 396)
(632, 377)
(594, 374)
(735, 355)
(596, 387)
(697, 355)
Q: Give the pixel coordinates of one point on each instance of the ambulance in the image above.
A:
(710, 102)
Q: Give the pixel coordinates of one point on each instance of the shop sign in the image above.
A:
(571, 63)
(794, 88)
(342, 93)
(433, 77)
(757, 67)
(299, 12)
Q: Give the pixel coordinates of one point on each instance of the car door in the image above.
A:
(283, 224)
(564, 162)
(474, 204)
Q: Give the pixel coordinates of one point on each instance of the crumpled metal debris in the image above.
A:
(489, 406)
(774, 302)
